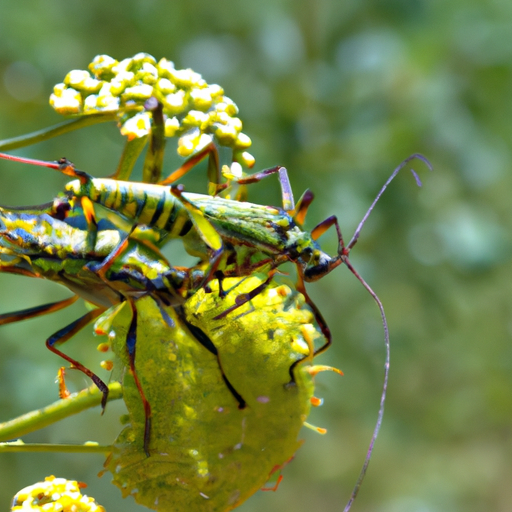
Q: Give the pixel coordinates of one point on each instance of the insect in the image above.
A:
(113, 273)
(206, 453)
(231, 236)
(219, 230)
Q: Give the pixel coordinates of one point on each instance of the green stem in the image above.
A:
(153, 164)
(57, 411)
(54, 131)
(20, 446)
(131, 152)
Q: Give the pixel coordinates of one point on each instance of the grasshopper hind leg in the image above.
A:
(68, 332)
(62, 336)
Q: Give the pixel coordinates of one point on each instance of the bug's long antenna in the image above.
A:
(384, 385)
(344, 252)
(381, 191)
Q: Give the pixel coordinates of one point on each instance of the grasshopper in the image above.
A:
(221, 230)
(117, 270)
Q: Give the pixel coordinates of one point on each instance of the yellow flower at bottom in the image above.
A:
(54, 495)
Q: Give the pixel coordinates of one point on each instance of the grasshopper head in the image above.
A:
(319, 265)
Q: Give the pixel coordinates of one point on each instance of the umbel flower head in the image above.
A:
(194, 110)
(54, 495)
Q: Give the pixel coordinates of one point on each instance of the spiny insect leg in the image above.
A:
(284, 180)
(210, 151)
(68, 332)
(34, 312)
(243, 298)
(319, 319)
(131, 343)
(103, 267)
(204, 228)
(208, 344)
(343, 251)
(301, 208)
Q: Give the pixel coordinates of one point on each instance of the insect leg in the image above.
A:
(103, 267)
(208, 344)
(206, 231)
(210, 151)
(301, 208)
(65, 334)
(131, 343)
(203, 226)
(321, 228)
(319, 319)
(284, 180)
(243, 298)
(25, 314)
(20, 271)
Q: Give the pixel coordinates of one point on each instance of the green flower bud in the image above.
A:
(165, 86)
(148, 74)
(225, 134)
(165, 68)
(188, 143)
(195, 118)
(245, 158)
(174, 103)
(243, 141)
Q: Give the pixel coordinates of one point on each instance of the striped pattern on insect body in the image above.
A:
(215, 225)
(206, 453)
(173, 213)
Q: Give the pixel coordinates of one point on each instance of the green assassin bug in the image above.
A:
(214, 228)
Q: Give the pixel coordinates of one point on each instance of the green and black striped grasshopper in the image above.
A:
(118, 269)
(249, 237)
(228, 236)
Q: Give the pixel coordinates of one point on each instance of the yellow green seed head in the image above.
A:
(123, 87)
(207, 453)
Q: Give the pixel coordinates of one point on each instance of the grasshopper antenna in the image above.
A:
(381, 191)
(380, 415)
(345, 251)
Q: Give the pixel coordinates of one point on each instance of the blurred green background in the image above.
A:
(339, 93)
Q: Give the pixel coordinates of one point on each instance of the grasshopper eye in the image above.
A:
(318, 266)
(307, 254)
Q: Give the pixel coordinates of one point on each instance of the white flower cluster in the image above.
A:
(194, 111)
(54, 495)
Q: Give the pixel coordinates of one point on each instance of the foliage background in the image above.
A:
(340, 93)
